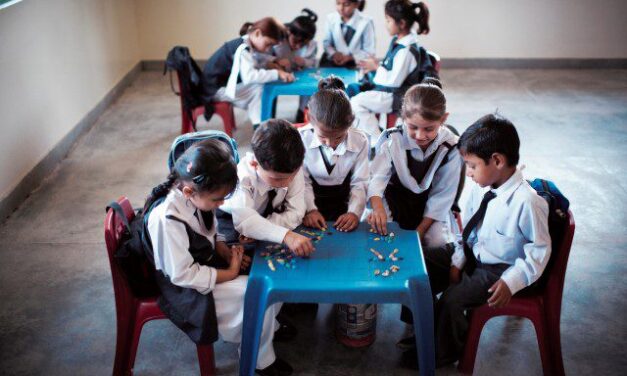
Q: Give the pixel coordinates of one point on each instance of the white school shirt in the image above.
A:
(362, 44)
(403, 64)
(350, 155)
(283, 51)
(250, 198)
(245, 66)
(170, 243)
(514, 231)
(391, 152)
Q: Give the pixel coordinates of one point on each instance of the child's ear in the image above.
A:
(499, 160)
(187, 191)
(253, 163)
(444, 118)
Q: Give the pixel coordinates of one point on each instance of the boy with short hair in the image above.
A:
(269, 201)
(505, 245)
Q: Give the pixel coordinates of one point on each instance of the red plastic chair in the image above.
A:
(133, 312)
(222, 109)
(542, 306)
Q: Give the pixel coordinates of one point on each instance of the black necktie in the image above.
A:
(348, 33)
(269, 208)
(471, 261)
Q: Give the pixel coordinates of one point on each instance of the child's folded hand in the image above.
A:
(237, 254)
(246, 260)
(347, 222)
(368, 65)
(315, 219)
(378, 220)
(299, 244)
(501, 294)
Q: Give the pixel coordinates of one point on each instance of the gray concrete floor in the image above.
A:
(57, 314)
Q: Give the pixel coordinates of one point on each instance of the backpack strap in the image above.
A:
(120, 212)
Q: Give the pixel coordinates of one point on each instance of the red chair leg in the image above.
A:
(123, 346)
(186, 123)
(477, 322)
(206, 360)
(543, 344)
(225, 111)
(137, 331)
(555, 343)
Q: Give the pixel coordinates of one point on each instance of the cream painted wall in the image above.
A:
(58, 59)
(460, 28)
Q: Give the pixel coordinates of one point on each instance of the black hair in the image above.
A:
(405, 10)
(426, 99)
(361, 5)
(491, 134)
(207, 166)
(303, 26)
(278, 147)
(330, 105)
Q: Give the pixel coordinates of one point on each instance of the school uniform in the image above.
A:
(231, 75)
(336, 180)
(405, 64)
(261, 212)
(182, 243)
(414, 183)
(355, 38)
(510, 241)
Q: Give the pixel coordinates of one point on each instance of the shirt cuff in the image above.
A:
(514, 279)
(357, 207)
(212, 281)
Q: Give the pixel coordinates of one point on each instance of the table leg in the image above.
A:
(267, 101)
(421, 305)
(255, 303)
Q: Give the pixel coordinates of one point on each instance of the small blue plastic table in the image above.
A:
(306, 84)
(342, 270)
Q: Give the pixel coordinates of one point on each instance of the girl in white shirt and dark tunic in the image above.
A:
(349, 35)
(197, 273)
(336, 160)
(231, 75)
(416, 171)
(406, 63)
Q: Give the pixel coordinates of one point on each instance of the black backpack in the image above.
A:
(190, 76)
(131, 255)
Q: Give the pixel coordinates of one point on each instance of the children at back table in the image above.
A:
(349, 35)
(270, 199)
(196, 272)
(336, 160)
(406, 63)
(416, 171)
(505, 245)
(230, 73)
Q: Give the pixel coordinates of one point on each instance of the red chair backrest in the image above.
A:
(557, 265)
(113, 230)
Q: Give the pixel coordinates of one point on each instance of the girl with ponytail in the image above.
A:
(406, 63)
(197, 273)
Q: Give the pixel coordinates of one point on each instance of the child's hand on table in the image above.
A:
(299, 244)
(501, 294)
(378, 220)
(315, 219)
(347, 222)
(285, 76)
(284, 64)
(246, 260)
(299, 61)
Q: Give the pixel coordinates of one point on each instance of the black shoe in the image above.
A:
(293, 309)
(407, 343)
(286, 332)
(279, 368)
(409, 359)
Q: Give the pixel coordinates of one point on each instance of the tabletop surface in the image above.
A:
(343, 260)
(308, 78)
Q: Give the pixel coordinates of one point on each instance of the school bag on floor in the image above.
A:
(184, 141)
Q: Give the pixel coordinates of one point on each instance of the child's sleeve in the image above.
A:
(327, 42)
(367, 43)
(247, 220)
(310, 54)
(534, 226)
(171, 244)
(252, 75)
(380, 169)
(295, 208)
(359, 182)
(404, 63)
(310, 197)
(444, 188)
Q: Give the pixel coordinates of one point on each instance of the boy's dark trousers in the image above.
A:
(451, 324)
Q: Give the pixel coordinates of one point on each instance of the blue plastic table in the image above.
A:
(306, 84)
(341, 270)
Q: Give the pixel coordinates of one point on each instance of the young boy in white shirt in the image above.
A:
(505, 245)
(269, 201)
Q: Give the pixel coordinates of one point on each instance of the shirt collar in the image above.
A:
(411, 144)
(184, 208)
(408, 39)
(352, 22)
(505, 191)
